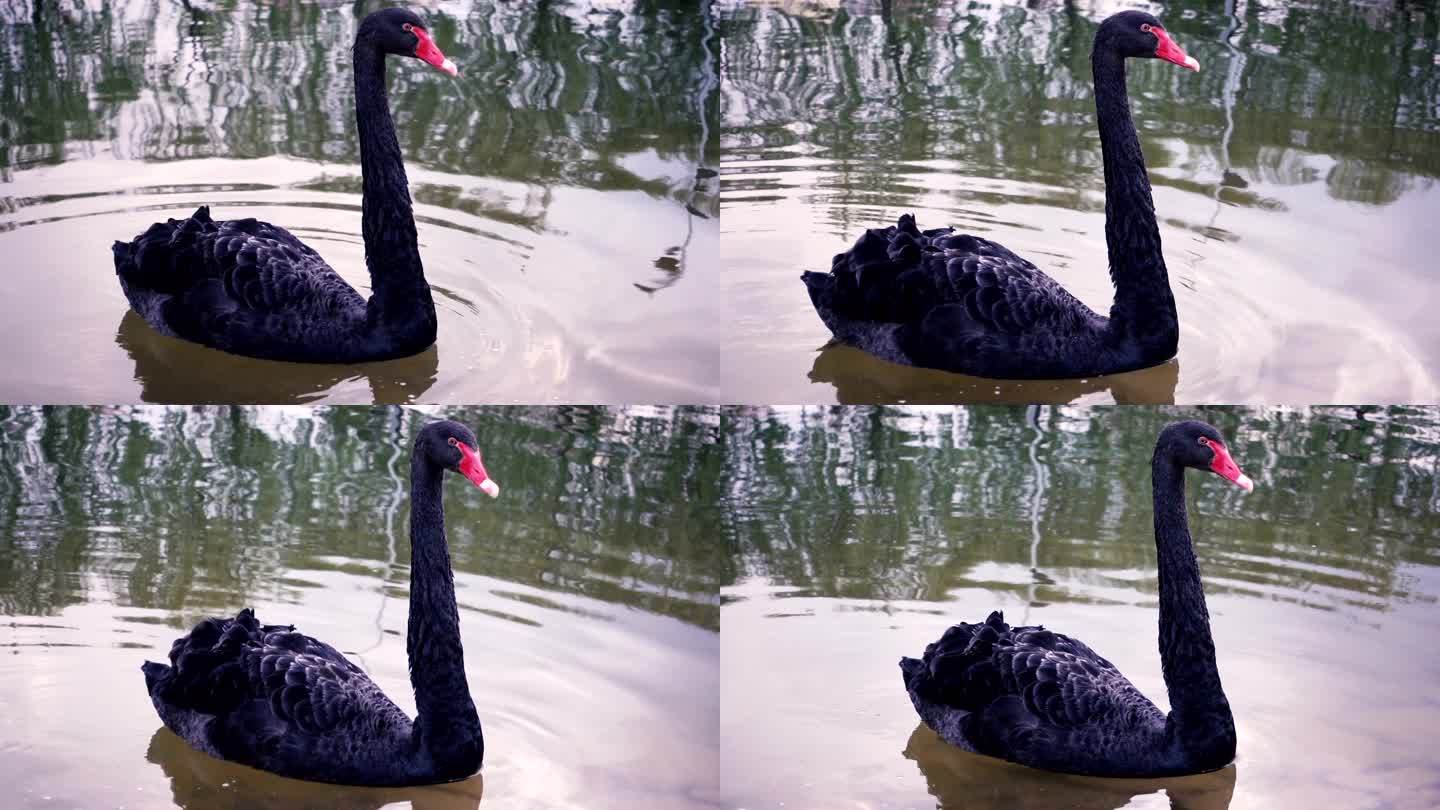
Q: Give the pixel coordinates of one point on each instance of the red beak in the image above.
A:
(1226, 468)
(426, 51)
(471, 468)
(1167, 50)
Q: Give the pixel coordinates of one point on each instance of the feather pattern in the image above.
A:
(243, 286)
(278, 700)
(1032, 696)
(942, 299)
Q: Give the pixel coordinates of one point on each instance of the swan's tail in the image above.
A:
(913, 670)
(944, 719)
(160, 263)
(152, 260)
(822, 290)
(153, 673)
(955, 679)
(124, 255)
(857, 294)
(950, 664)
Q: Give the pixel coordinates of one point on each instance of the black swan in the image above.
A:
(956, 302)
(274, 699)
(1038, 698)
(252, 288)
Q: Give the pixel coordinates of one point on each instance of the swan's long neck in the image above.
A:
(446, 723)
(392, 252)
(1144, 308)
(1199, 713)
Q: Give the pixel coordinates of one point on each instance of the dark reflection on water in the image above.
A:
(955, 777)
(873, 503)
(173, 370)
(200, 781)
(860, 378)
(198, 510)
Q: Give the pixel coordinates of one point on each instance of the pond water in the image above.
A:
(860, 535)
(587, 592)
(1294, 176)
(564, 192)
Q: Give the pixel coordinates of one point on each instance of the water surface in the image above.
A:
(565, 205)
(587, 594)
(861, 534)
(1294, 176)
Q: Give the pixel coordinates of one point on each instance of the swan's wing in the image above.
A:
(1025, 687)
(265, 683)
(947, 285)
(308, 685)
(216, 282)
(264, 268)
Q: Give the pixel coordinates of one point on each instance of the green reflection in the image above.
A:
(1053, 504)
(199, 509)
(1295, 93)
(601, 95)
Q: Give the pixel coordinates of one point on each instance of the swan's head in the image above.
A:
(1198, 445)
(401, 32)
(452, 446)
(1139, 35)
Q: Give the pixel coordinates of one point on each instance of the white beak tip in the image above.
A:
(449, 67)
(1245, 483)
(1190, 62)
(490, 488)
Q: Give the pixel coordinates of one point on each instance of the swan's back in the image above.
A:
(1038, 698)
(242, 286)
(272, 698)
(941, 299)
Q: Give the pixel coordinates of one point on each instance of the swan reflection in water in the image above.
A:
(173, 370)
(861, 378)
(959, 779)
(201, 781)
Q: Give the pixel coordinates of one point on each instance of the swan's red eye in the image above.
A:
(1204, 442)
(1145, 27)
(408, 27)
(452, 441)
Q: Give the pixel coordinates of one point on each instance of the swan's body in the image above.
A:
(252, 288)
(957, 302)
(278, 700)
(1042, 699)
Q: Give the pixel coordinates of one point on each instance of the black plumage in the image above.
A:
(275, 699)
(1039, 698)
(251, 288)
(957, 302)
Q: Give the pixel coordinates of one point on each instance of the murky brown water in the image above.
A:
(566, 214)
(862, 534)
(587, 595)
(1295, 183)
